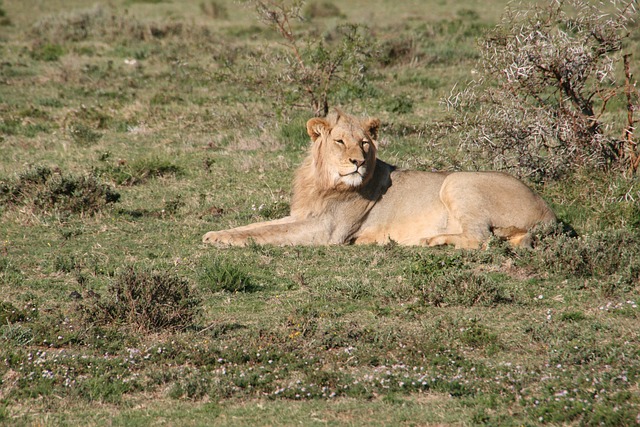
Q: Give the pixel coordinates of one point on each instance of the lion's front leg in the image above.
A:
(226, 238)
(284, 231)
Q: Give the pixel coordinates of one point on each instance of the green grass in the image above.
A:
(128, 131)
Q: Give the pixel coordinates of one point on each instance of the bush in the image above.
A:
(548, 75)
(145, 300)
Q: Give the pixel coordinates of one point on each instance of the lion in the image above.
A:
(344, 194)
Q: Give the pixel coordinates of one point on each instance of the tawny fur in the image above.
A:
(343, 194)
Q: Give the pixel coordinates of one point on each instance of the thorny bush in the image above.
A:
(548, 76)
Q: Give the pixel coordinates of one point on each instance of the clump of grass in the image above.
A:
(214, 9)
(294, 133)
(9, 126)
(316, 70)
(139, 171)
(477, 335)
(10, 314)
(83, 134)
(16, 334)
(46, 191)
(48, 52)
(572, 316)
(398, 104)
(9, 273)
(221, 275)
(5, 21)
(325, 9)
(396, 51)
(145, 300)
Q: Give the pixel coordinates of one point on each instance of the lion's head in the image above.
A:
(343, 151)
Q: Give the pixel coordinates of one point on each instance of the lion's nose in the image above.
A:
(357, 162)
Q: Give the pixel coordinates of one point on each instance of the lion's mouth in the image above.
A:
(354, 178)
(361, 171)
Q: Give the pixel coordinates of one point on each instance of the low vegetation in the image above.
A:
(128, 130)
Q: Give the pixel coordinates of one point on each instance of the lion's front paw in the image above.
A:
(224, 238)
(215, 237)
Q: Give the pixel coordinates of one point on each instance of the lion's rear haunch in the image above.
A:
(343, 194)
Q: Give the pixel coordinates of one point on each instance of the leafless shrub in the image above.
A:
(548, 73)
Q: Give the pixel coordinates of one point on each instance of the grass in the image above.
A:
(124, 138)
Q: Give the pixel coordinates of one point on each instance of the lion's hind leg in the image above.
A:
(460, 241)
(514, 235)
(461, 232)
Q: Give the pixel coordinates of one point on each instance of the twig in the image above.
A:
(631, 145)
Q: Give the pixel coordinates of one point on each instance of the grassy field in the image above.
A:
(129, 130)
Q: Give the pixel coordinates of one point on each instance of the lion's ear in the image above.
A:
(372, 126)
(316, 126)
